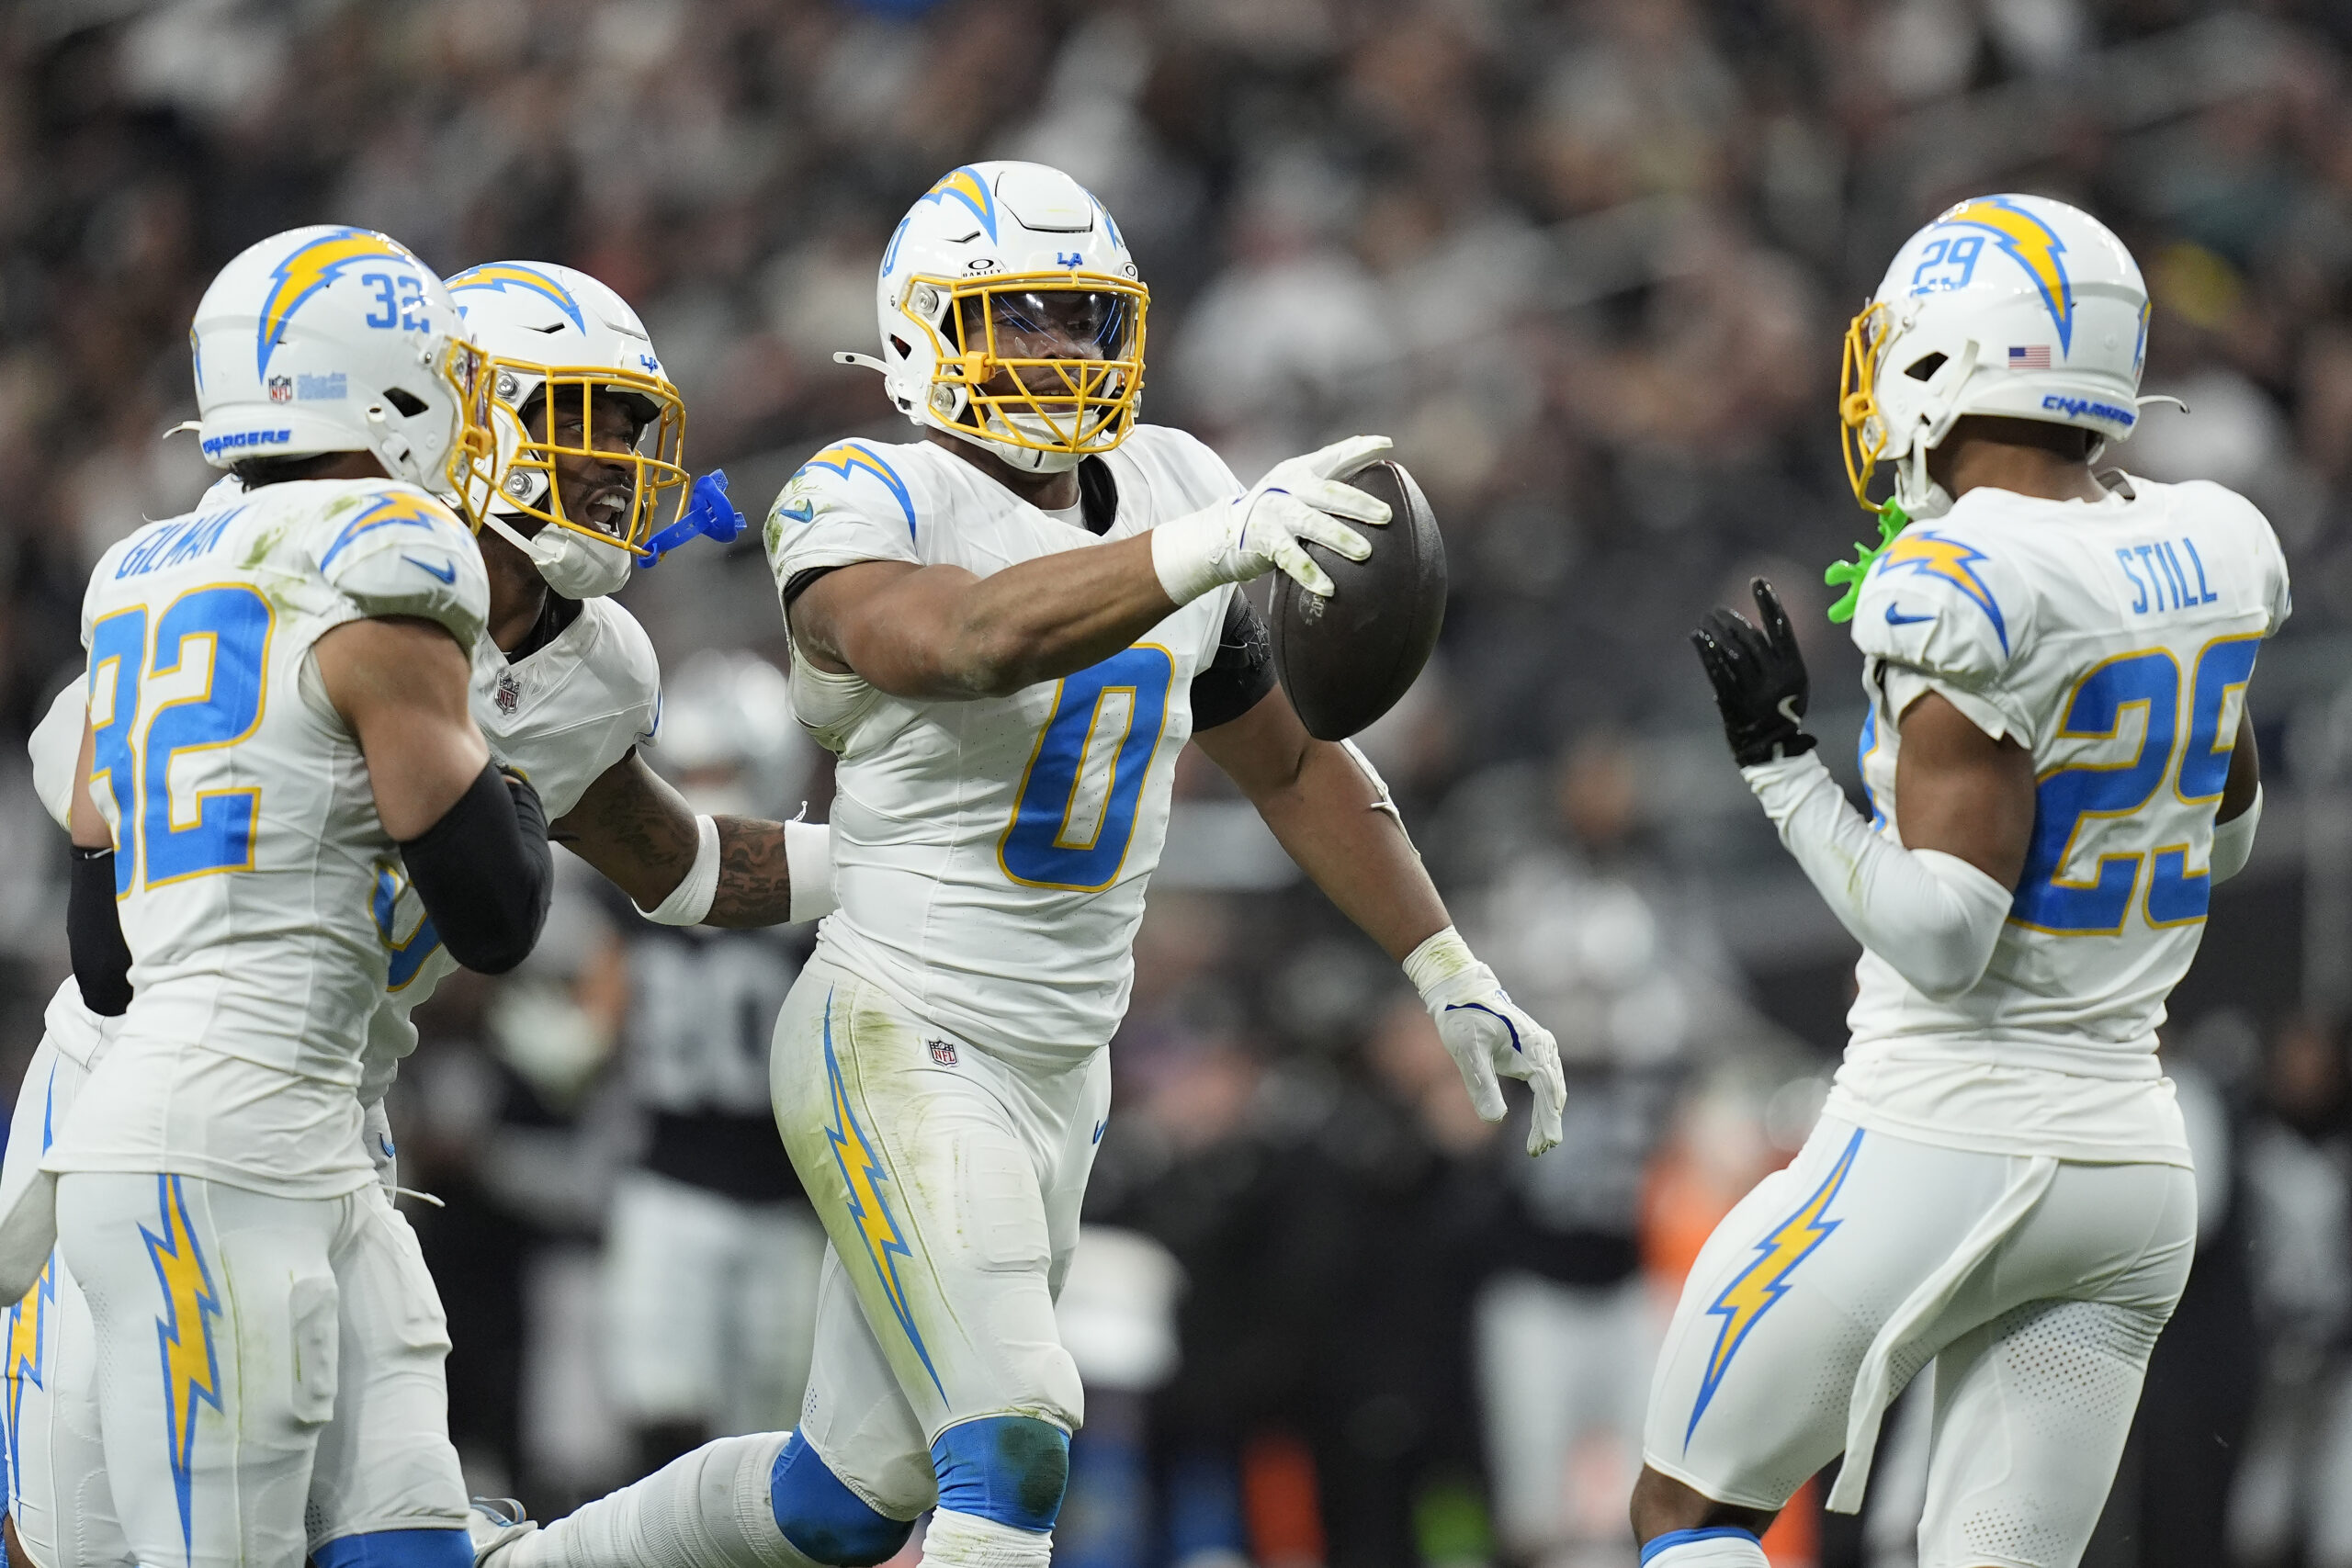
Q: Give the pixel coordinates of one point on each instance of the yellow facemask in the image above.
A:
(980, 386)
(466, 370)
(526, 480)
(1861, 429)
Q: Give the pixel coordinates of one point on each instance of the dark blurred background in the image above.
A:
(1587, 261)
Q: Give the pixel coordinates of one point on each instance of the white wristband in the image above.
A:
(1186, 551)
(1438, 959)
(690, 900)
(808, 862)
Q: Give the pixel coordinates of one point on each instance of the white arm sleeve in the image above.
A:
(2234, 840)
(1932, 916)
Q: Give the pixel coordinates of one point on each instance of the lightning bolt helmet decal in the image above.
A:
(500, 277)
(2034, 246)
(311, 267)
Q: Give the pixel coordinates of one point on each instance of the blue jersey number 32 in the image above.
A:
(156, 844)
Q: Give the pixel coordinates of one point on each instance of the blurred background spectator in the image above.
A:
(1587, 261)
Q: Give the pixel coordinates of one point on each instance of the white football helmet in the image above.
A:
(2017, 306)
(1012, 315)
(334, 339)
(552, 328)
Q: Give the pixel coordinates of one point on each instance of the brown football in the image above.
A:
(1346, 660)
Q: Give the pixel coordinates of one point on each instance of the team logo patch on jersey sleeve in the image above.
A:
(1925, 553)
(1765, 1281)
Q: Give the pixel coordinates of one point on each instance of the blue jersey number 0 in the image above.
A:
(1077, 810)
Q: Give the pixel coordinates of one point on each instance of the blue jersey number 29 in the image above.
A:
(2195, 753)
(1076, 814)
(158, 844)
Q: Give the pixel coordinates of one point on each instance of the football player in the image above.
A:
(2061, 766)
(277, 711)
(1006, 631)
(566, 688)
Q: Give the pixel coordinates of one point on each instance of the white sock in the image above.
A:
(706, 1509)
(966, 1541)
(1720, 1547)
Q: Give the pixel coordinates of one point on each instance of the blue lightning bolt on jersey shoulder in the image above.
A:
(394, 509)
(848, 458)
(311, 267)
(863, 1173)
(1765, 1281)
(2034, 246)
(1925, 553)
(184, 1337)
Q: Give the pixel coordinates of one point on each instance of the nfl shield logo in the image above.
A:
(510, 694)
(281, 388)
(943, 1052)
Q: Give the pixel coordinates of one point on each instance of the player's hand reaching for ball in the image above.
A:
(1261, 530)
(1488, 1035)
(1759, 679)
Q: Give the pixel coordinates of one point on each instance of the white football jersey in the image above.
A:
(559, 716)
(2114, 641)
(990, 856)
(247, 841)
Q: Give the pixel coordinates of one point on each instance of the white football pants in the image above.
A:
(949, 1184)
(268, 1370)
(2037, 1288)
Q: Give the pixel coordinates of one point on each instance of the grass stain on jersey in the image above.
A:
(184, 1335)
(864, 1176)
(1749, 1296)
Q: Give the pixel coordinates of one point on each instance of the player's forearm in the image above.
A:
(1042, 620)
(772, 872)
(1339, 829)
(1933, 916)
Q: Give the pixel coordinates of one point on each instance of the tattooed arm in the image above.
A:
(633, 826)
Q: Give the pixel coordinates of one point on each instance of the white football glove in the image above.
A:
(1486, 1033)
(375, 1131)
(1259, 531)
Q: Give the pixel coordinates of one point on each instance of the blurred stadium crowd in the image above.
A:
(1588, 261)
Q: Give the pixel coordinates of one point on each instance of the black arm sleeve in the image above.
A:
(1243, 673)
(94, 934)
(485, 873)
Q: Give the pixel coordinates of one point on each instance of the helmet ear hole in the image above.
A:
(408, 402)
(1924, 367)
(904, 350)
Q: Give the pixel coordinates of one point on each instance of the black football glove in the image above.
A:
(1760, 680)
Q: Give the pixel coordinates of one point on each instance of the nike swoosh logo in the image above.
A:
(1896, 619)
(447, 571)
(805, 512)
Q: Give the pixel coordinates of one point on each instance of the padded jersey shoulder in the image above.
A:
(1953, 597)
